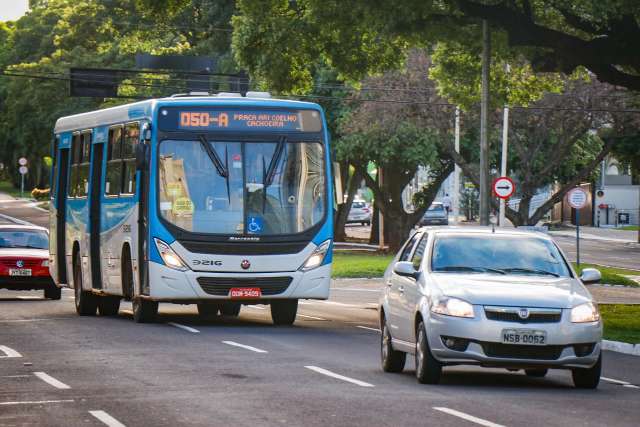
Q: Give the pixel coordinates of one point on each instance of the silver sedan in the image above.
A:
(499, 298)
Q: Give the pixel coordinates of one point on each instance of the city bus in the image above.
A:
(219, 200)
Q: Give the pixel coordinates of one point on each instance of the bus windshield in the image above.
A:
(240, 188)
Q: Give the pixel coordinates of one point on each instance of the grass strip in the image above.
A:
(621, 322)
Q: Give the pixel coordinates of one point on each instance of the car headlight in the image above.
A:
(45, 263)
(317, 257)
(452, 307)
(587, 312)
(169, 257)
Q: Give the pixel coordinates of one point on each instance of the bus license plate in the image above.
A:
(19, 272)
(524, 337)
(245, 293)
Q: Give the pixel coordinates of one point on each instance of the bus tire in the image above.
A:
(108, 305)
(230, 309)
(208, 310)
(127, 275)
(144, 311)
(86, 302)
(283, 312)
(53, 292)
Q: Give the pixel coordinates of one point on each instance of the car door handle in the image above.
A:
(401, 289)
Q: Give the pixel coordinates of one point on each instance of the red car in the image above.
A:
(24, 259)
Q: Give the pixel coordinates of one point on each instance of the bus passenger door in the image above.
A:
(62, 169)
(94, 214)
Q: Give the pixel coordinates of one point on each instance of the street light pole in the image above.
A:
(456, 172)
(484, 128)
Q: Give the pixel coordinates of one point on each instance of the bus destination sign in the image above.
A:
(240, 120)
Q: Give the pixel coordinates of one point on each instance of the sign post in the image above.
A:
(577, 198)
(22, 161)
(503, 187)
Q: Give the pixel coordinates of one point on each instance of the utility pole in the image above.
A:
(456, 171)
(381, 240)
(503, 163)
(484, 128)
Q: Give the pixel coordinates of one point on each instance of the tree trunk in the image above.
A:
(343, 209)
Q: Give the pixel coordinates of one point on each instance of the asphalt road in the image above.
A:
(67, 370)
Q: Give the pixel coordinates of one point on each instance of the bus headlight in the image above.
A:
(317, 257)
(169, 257)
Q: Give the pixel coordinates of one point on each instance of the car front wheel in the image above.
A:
(53, 292)
(588, 377)
(428, 369)
(392, 360)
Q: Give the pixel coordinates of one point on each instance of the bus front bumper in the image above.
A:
(166, 284)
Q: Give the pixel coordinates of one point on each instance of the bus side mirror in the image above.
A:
(141, 156)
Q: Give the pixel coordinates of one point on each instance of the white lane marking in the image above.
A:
(51, 381)
(9, 352)
(106, 418)
(184, 327)
(246, 347)
(467, 417)
(26, 320)
(356, 289)
(310, 317)
(631, 386)
(619, 382)
(338, 376)
(368, 328)
(16, 376)
(36, 402)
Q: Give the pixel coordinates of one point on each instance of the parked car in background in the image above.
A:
(24, 259)
(359, 212)
(490, 298)
(435, 215)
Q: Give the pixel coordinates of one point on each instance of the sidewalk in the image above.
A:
(595, 233)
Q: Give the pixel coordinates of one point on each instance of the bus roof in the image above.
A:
(145, 109)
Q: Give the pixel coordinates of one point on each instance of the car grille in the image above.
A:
(28, 263)
(509, 351)
(221, 286)
(510, 314)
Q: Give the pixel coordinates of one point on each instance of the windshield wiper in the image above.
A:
(273, 164)
(469, 268)
(530, 270)
(215, 159)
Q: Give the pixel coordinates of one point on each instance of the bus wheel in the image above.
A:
(208, 310)
(86, 303)
(108, 306)
(230, 309)
(144, 311)
(284, 312)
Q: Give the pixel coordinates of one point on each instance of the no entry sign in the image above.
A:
(503, 187)
(577, 198)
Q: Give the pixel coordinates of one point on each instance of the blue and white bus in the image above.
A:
(217, 201)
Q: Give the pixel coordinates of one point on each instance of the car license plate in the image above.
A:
(19, 272)
(240, 293)
(524, 337)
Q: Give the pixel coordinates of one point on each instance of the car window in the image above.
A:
(418, 254)
(436, 208)
(406, 251)
(358, 205)
(33, 239)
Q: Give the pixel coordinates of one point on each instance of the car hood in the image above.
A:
(24, 252)
(513, 290)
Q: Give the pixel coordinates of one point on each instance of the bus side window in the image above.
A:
(54, 169)
(83, 169)
(76, 151)
(114, 163)
(131, 139)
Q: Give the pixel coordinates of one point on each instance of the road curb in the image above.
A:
(621, 347)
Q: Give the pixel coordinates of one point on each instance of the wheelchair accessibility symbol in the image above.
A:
(255, 224)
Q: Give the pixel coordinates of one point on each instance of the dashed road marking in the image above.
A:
(311, 317)
(36, 402)
(26, 320)
(106, 419)
(15, 376)
(184, 327)
(338, 376)
(467, 417)
(246, 347)
(368, 328)
(9, 352)
(51, 381)
(626, 384)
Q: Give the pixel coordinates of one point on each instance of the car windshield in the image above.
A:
(497, 254)
(33, 239)
(235, 188)
(436, 208)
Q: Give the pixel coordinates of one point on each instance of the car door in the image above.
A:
(410, 293)
(396, 285)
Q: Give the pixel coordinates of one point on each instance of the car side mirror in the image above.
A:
(590, 275)
(406, 269)
(141, 156)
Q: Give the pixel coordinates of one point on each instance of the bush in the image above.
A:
(40, 194)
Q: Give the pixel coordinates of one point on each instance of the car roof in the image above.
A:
(24, 227)
(477, 230)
